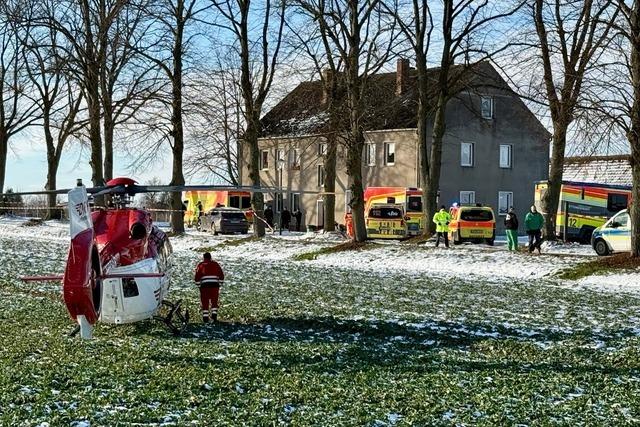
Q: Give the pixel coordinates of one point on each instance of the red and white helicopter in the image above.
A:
(119, 267)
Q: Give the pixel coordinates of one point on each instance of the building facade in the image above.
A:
(494, 148)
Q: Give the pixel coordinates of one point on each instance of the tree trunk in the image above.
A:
(257, 198)
(330, 182)
(93, 104)
(108, 126)
(354, 169)
(634, 141)
(52, 169)
(422, 137)
(4, 148)
(634, 134)
(177, 175)
(551, 198)
(433, 183)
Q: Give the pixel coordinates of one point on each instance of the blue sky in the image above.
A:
(27, 167)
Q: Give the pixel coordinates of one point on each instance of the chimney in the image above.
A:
(327, 77)
(402, 76)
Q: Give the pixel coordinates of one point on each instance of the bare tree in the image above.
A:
(168, 52)
(465, 27)
(58, 97)
(570, 36)
(327, 65)
(617, 102)
(217, 117)
(363, 37)
(18, 111)
(254, 29)
(127, 81)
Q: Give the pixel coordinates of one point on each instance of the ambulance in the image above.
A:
(410, 199)
(386, 221)
(472, 223)
(584, 206)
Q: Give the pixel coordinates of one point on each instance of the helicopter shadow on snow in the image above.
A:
(388, 343)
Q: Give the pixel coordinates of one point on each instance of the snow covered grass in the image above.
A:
(394, 335)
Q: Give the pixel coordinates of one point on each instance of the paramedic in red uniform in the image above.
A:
(209, 278)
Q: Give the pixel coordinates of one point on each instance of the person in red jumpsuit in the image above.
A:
(209, 278)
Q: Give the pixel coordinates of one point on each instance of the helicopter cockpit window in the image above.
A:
(138, 231)
(130, 288)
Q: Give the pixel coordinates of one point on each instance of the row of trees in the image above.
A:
(197, 75)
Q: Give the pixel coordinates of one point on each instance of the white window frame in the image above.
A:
(483, 111)
(370, 153)
(320, 175)
(387, 152)
(470, 197)
(264, 165)
(322, 148)
(509, 196)
(295, 158)
(348, 195)
(463, 163)
(294, 197)
(509, 163)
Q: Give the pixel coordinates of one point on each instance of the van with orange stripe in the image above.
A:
(584, 207)
(472, 223)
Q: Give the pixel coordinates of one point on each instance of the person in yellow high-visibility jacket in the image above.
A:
(442, 218)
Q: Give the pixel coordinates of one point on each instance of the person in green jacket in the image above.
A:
(511, 228)
(442, 218)
(533, 222)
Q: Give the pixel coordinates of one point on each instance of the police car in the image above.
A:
(613, 236)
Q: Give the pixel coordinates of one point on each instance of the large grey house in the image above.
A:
(494, 148)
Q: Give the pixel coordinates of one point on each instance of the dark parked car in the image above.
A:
(224, 220)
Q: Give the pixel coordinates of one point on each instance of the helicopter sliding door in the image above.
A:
(132, 299)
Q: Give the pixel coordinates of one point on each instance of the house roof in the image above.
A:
(303, 112)
(609, 170)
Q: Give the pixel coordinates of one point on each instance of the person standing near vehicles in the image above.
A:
(209, 277)
(511, 226)
(268, 216)
(533, 222)
(297, 214)
(285, 219)
(442, 218)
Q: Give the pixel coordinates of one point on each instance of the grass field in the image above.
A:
(306, 344)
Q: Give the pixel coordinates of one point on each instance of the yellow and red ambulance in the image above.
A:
(584, 206)
(409, 198)
(212, 199)
(472, 223)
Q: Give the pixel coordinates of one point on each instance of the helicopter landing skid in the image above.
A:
(173, 317)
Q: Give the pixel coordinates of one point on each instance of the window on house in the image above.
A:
(505, 201)
(467, 197)
(389, 153)
(320, 175)
(616, 202)
(466, 154)
(295, 158)
(347, 201)
(264, 159)
(486, 107)
(370, 154)
(505, 156)
(322, 149)
(280, 158)
(295, 201)
(279, 203)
